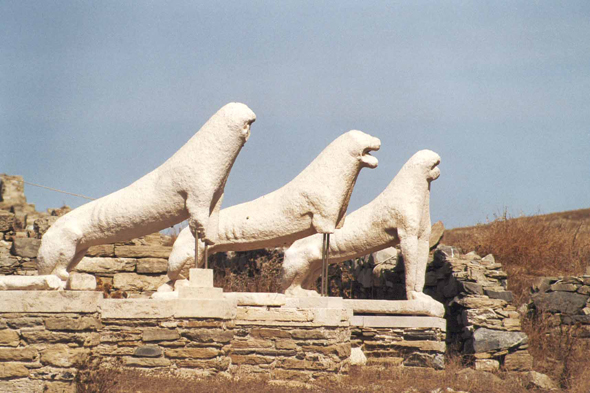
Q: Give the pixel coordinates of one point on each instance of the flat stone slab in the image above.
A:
(49, 301)
(137, 308)
(200, 293)
(204, 308)
(24, 283)
(257, 298)
(396, 307)
(397, 321)
(314, 302)
(201, 278)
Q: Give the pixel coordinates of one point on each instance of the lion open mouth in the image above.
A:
(367, 158)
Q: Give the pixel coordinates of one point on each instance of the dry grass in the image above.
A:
(530, 247)
(365, 379)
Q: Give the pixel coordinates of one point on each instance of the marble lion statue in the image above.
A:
(399, 215)
(189, 185)
(313, 202)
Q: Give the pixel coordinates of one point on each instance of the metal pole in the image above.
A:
(206, 256)
(324, 286)
(327, 262)
(196, 251)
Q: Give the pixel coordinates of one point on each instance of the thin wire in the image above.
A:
(56, 190)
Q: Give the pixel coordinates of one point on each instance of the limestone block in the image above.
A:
(106, 265)
(193, 353)
(137, 282)
(146, 362)
(25, 283)
(485, 340)
(200, 293)
(400, 307)
(61, 355)
(103, 250)
(6, 221)
(533, 379)
(357, 357)
(49, 301)
(25, 247)
(397, 321)
(72, 324)
(21, 385)
(282, 314)
(9, 338)
(160, 334)
(504, 295)
(152, 265)
(136, 308)
(142, 251)
(329, 316)
(481, 302)
(204, 308)
(18, 354)
(201, 277)
(209, 335)
(314, 302)
(256, 298)
(59, 387)
(518, 361)
(489, 365)
(436, 234)
(565, 287)
(13, 370)
(148, 351)
(560, 302)
(80, 282)
(478, 316)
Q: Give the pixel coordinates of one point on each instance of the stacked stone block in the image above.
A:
(564, 301)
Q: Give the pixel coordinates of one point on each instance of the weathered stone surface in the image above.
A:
(256, 298)
(9, 338)
(398, 307)
(81, 282)
(104, 250)
(42, 224)
(152, 265)
(59, 387)
(436, 233)
(397, 321)
(148, 351)
(159, 334)
(470, 288)
(209, 335)
(533, 379)
(560, 302)
(18, 354)
(33, 336)
(25, 247)
(485, 340)
(6, 221)
(136, 308)
(565, 287)
(49, 301)
(204, 308)
(435, 361)
(480, 302)
(16, 321)
(21, 385)
(61, 355)
(518, 361)
(137, 282)
(54, 373)
(357, 357)
(269, 333)
(504, 295)
(73, 324)
(106, 265)
(478, 316)
(13, 370)
(27, 283)
(200, 293)
(194, 353)
(142, 251)
(489, 365)
(146, 362)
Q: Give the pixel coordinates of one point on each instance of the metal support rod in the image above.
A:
(206, 256)
(325, 260)
(196, 251)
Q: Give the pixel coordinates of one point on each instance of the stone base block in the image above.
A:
(257, 299)
(81, 282)
(204, 308)
(49, 301)
(396, 307)
(30, 283)
(201, 278)
(200, 293)
(394, 321)
(314, 302)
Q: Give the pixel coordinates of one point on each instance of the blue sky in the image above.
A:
(94, 95)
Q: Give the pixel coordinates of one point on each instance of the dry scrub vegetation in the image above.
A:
(532, 247)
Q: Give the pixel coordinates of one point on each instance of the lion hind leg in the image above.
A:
(57, 254)
(297, 267)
